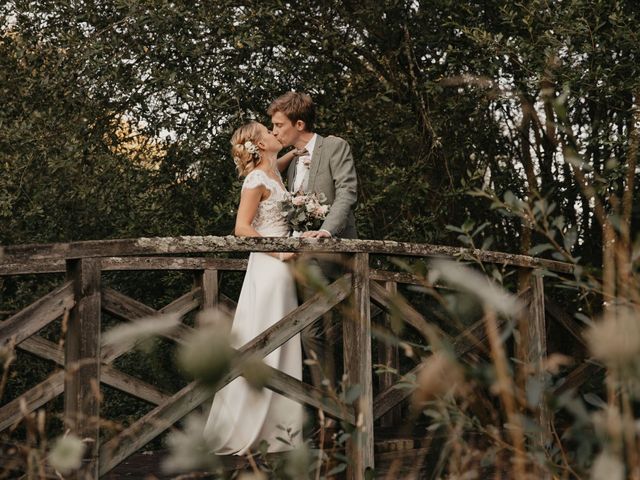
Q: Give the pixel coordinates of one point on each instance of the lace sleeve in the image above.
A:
(255, 179)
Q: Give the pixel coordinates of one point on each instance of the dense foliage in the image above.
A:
(116, 115)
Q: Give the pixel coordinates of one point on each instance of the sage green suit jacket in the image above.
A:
(334, 174)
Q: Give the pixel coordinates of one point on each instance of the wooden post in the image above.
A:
(82, 360)
(538, 347)
(532, 350)
(207, 280)
(357, 365)
(388, 355)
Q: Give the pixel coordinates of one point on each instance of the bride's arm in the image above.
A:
(249, 201)
(284, 161)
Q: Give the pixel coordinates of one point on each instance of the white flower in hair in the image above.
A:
(251, 147)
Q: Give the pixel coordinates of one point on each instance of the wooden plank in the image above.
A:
(297, 320)
(126, 308)
(404, 278)
(304, 393)
(388, 356)
(54, 384)
(109, 375)
(227, 305)
(174, 263)
(37, 315)
(132, 385)
(409, 314)
(533, 347)
(358, 370)
(565, 320)
(465, 342)
(207, 282)
(33, 398)
(82, 360)
(37, 345)
(182, 305)
(212, 244)
(29, 266)
(577, 377)
(184, 401)
(537, 324)
(151, 425)
(397, 277)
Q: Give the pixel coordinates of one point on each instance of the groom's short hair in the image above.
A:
(296, 106)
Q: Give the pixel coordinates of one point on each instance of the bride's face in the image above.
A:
(269, 143)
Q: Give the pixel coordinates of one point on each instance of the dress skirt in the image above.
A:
(241, 417)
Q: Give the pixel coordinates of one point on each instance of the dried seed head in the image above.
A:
(141, 330)
(188, 448)
(616, 341)
(206, 355)
(66, 454)
(607, 466)
(486, 291)
(439, 375)
(608, 423)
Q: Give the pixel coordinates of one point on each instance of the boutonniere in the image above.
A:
(303, 156)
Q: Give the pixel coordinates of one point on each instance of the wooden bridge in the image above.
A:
(87, 363)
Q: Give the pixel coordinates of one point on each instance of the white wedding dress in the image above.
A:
(241, 417)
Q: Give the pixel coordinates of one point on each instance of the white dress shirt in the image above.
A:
(304, 165)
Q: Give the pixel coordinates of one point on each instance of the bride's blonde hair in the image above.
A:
(244, 147)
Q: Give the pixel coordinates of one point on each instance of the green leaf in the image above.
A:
(341, 467)
(595, 400)
(352, 393)
(538, 249)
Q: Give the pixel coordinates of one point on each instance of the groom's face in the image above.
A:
(284, 130)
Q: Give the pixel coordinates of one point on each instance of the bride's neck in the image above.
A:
(268, 161)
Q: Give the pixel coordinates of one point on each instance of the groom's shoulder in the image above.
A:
(335, 140)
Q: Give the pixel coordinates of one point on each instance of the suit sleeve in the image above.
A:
(343, 171)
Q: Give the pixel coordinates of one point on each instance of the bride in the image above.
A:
(242, 417)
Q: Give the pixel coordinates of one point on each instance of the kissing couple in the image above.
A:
(242, 417)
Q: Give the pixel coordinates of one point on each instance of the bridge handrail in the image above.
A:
(30, 253)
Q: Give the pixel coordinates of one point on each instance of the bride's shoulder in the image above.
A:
(255, 178)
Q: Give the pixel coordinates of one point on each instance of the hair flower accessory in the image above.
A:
(251, 147)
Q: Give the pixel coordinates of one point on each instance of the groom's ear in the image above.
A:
(300, 125)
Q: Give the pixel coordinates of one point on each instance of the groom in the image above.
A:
(326, 168)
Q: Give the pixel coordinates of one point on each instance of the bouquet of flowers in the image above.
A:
(305, 212)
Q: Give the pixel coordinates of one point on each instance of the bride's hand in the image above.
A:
(286, 256)
(299, 152)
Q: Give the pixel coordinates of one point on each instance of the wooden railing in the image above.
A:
(87, 363)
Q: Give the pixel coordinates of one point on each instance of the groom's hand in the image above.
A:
(316, 234)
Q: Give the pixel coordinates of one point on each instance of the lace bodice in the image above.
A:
(268, 221)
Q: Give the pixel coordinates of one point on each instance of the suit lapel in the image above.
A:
(315, 163)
